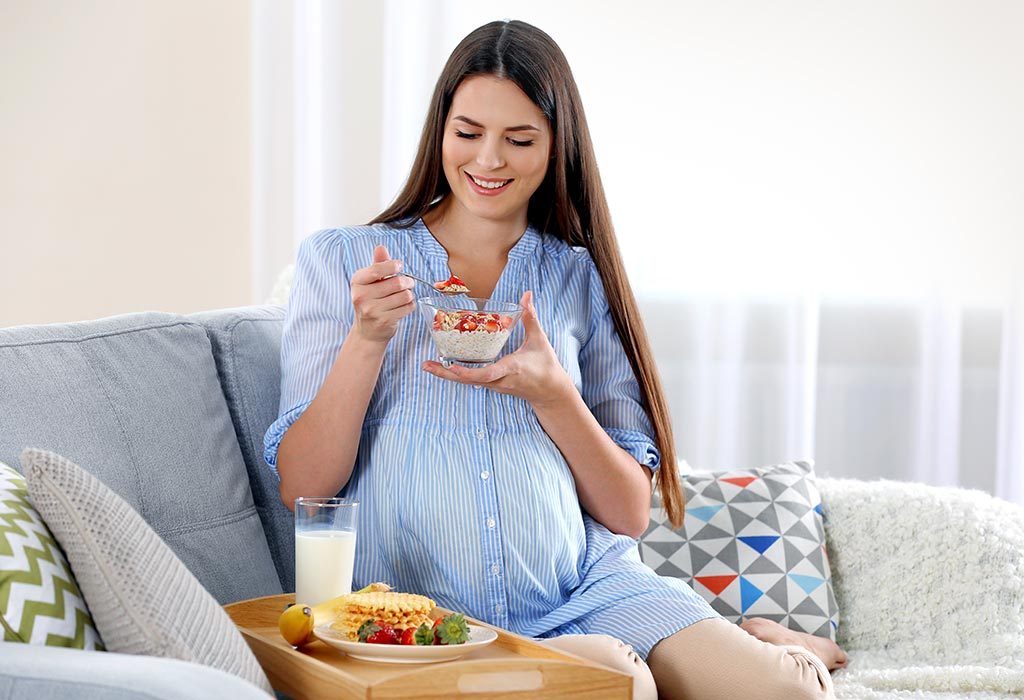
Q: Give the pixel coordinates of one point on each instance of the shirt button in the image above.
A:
(491, 523)
(477, 386)
(481, 434)
(485, 475)
(495, 569)
(498, 609)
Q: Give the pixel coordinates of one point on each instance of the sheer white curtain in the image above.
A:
(913, 391)
(820, 206)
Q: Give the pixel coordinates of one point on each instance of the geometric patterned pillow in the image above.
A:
(40, 602)
(752, 544)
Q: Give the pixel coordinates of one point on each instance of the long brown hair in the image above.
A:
(569, 203)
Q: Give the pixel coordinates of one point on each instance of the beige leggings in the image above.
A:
(709, 660)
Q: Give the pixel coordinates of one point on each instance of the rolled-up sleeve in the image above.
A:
(610, 387)
(318, 317)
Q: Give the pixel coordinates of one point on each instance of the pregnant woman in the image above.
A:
(512, 492)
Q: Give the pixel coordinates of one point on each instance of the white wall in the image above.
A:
(863, 150)
(124, 157)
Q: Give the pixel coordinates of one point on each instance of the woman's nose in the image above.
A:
(489, 156)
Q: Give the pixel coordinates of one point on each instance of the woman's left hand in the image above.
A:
(532, 372)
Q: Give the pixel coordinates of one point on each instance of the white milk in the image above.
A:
(323, 565)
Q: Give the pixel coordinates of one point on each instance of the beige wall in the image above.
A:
(124, 157)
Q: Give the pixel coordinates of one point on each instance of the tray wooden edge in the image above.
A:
(284, 665)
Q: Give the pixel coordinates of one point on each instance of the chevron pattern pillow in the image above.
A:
(753, 544)
(40, 602)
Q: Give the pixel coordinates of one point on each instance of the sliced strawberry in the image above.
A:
(409, 636)
(491, 326)
(449, 283)
(385, 634)
(506, 322)
(383, 637)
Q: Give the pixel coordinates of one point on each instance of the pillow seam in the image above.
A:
(10, 630)
(100, 566)
(119, 421)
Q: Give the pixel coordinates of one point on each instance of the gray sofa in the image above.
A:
(170, 411)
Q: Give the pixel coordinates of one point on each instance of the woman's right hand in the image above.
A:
(381, 297)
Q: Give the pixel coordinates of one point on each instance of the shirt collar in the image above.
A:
(426, 242)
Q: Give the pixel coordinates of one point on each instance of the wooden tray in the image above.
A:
(512, 667)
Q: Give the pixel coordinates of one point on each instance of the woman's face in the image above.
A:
(495, 148)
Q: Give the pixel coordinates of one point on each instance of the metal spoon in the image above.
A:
(431, 285)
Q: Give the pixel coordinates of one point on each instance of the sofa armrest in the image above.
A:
(31, 672)
(930, 575)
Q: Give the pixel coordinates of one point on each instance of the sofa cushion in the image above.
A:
(39, 598)
(135, 399)
(143, 598)
(247, 348)
(753, 544)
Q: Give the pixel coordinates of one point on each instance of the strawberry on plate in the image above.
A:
(451, 629)
(378, 632)
(437, 636)
(424, 635)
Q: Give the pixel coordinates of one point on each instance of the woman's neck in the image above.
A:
(461, 232)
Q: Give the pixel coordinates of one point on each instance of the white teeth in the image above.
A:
(490, 185)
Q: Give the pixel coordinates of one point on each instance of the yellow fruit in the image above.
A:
(296, 624)
(297, 621)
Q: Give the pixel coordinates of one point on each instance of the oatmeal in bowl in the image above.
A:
(467, 329)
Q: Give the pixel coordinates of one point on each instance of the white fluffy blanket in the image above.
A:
(930, 587)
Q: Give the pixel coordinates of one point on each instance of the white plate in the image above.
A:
(479, 637)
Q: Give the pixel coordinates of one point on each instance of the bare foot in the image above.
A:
(772, 632)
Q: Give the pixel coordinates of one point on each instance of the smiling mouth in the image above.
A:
(492, 185)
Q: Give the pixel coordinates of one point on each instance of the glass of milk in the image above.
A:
(325, 548)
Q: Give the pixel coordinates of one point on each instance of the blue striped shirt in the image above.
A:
(463, 495)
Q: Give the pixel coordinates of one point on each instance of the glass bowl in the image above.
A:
(469, 330)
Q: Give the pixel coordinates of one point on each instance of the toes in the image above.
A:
(757, 626)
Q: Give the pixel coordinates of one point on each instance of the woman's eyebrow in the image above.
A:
(521, 127)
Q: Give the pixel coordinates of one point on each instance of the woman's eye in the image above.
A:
(515, 142)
